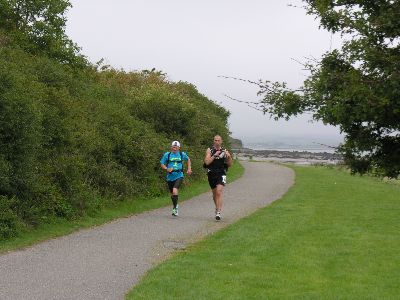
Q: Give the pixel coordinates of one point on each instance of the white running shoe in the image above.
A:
(175, 211)
(218, 216)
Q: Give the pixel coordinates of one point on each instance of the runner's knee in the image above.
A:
(218, 191)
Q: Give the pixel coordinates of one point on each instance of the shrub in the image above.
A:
(9, 223)
(70, 138)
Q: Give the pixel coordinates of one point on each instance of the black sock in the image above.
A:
(174, 199)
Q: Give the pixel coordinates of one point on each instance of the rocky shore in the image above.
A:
(297, 157)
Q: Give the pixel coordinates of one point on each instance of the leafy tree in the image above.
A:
(38, 26)
(356, 87)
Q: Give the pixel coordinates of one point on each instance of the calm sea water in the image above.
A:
(287, 147)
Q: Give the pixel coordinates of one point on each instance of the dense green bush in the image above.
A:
(74, 139)
(9, 222)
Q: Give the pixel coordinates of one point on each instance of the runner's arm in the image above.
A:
(229, 159)
(189, 166)
(163, 166)
(208, 159)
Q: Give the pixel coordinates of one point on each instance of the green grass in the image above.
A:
(332, 236)
(124, 209)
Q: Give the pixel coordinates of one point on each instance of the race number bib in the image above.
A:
(223, 178)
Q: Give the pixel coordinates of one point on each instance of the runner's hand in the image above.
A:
(189, 171)
(169, 170)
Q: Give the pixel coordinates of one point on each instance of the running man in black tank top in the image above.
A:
(217, 160)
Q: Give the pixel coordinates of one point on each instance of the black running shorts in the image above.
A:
(215, 179)
(174, 184)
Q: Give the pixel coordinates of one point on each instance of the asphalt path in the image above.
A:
(104, 262)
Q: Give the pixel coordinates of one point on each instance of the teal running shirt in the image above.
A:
(174, 162)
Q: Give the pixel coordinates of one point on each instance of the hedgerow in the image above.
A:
(74, 139)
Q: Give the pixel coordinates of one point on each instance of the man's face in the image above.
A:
(217, 141)
(174, 149)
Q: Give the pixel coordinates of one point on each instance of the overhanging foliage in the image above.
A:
(356, 88)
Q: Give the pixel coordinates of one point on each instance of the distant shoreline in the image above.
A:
(293, 156)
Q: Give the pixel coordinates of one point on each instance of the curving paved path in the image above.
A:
(106, 261)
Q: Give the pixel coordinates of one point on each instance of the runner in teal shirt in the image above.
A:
(172, 162)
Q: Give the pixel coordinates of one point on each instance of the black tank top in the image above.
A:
(218, 165)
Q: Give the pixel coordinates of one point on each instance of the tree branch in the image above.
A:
(240, 79)
(249, 103)
(325, 145)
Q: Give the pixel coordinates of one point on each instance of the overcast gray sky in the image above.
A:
(196, 41)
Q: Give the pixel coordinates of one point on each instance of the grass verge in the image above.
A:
(123, 209)
(332, 236)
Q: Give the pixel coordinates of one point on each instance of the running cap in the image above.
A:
(176, 143)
